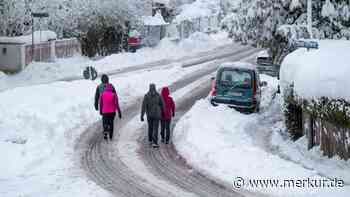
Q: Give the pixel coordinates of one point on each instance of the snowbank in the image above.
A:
(197, 9)
(2, 75)
(227, 145)
(39, 36)
(317, 73)
(37, 136)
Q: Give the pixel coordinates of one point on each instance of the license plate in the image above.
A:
(236, 94)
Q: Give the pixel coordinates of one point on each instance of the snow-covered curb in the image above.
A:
(225, 144)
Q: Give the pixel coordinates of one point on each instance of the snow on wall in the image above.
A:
(317, 73)
(39, 36)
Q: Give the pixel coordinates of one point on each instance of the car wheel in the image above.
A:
(257, 109)
(212, 103)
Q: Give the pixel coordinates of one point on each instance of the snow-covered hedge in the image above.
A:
(319, 73)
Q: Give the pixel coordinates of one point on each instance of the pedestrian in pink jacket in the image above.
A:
(109, 105)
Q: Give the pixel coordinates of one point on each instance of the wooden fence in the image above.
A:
(67, 48)
(48, 51)
(333, 140)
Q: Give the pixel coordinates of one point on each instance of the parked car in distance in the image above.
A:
(264, 58)
(237, 85)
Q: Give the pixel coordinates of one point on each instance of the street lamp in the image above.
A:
(309, 17)
(36, 15)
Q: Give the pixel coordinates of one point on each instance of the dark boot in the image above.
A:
(105, 135)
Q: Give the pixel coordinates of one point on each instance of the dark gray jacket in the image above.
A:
(152, 104)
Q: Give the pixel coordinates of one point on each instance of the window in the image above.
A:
(236, 78)
(4, 51)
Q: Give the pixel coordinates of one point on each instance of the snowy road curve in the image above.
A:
(106, 166)
(187, 61)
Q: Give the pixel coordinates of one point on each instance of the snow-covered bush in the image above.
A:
(102, 38)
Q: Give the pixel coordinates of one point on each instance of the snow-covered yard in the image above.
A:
(37, 72)
(223, 143)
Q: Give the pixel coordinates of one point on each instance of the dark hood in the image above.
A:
(152, 89)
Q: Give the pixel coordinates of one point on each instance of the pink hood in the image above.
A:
(109, 100)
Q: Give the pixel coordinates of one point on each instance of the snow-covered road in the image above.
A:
(127, 167)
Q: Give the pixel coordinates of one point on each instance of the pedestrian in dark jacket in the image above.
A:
(100, 88)
(168, 113)
(152, 105)
(109, 105)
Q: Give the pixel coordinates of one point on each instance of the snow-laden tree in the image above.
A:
(263, 22)
(13, 17)
(66, 16)
(257, 20)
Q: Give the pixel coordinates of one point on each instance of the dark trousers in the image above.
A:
(165, 130)
(108, 123)
(153, 125)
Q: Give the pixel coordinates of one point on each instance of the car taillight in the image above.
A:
(254, 89)
(213, 88)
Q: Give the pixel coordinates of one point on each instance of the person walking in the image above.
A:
(100, 88)
(109, 105)
(152, 106)
(106, 119)
(168, 113)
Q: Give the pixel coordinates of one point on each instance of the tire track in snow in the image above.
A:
(105, 166)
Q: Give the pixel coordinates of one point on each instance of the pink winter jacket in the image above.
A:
(109, 101)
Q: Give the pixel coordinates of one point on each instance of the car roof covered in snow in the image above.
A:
(166, 2)
(322, 72)
(240, 65)
(263, 53)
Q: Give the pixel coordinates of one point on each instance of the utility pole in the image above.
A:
(309, 17)
(36, 15)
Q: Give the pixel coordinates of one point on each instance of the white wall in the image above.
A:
(12, 59)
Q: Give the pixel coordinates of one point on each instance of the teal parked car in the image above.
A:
(237, 85)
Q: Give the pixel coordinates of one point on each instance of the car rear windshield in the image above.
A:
(236, 78)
